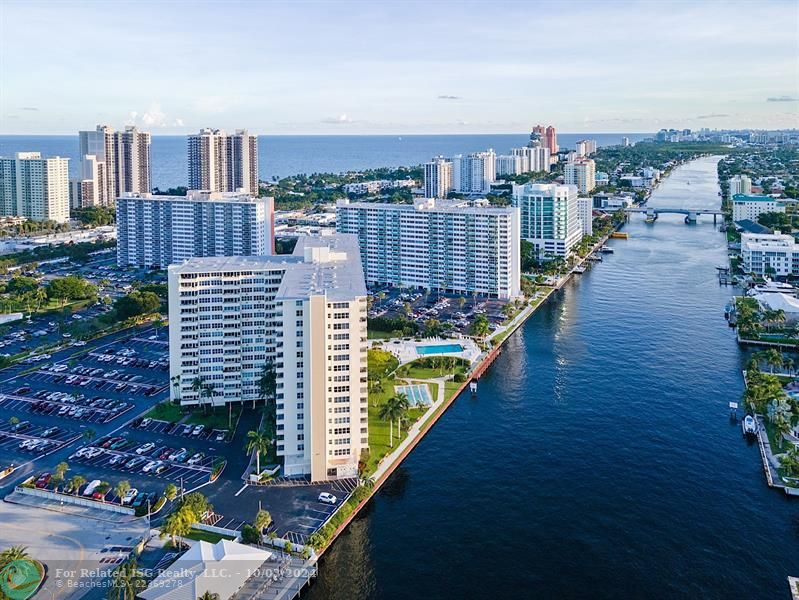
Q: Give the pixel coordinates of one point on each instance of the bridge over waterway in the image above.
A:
(652, 212)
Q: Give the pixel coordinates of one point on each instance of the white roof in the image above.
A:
(220, 568)
(779, 301)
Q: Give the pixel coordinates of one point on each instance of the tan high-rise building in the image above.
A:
(219, 162)
(582, 173)
(115, 162)
(302, 314)
(437, 177)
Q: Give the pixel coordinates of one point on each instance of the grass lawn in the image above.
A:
(378, 335)
(415, 372)
(206, 536)
(378, 428)
(165, 411)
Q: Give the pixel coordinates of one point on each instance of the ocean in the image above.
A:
(281, 156)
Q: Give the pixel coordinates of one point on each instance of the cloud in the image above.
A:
(31, 108)
(713, 116)
(341, 119)
(448, 97)
(178, 123)
(154, 116)
(782, 99)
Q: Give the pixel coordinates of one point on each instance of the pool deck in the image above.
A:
(407, 350)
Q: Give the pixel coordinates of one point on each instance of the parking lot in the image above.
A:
(456, 312)
(126, 456)
(25, 441)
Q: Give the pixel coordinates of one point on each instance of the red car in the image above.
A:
(43, 480)
(165, 454)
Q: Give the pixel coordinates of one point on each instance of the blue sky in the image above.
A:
(397, 67)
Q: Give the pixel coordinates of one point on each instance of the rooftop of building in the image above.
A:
(433, 205)
(198, 196)
(542, 188)
(329, 264)
(752, 198)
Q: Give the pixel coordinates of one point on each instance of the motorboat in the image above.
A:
(749, 425)
(579, 269)
(606, 249)
(771, 287)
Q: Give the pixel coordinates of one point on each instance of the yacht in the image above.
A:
(606, 249)
(749, 425)
(772, 287)
(579, 269)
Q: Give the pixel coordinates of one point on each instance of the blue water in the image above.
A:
(281, 156)
(439, 349)
(598, 459)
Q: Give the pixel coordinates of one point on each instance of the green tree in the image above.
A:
(13, 553)
(258, 442)
(126, 581)
(480, 327)
(262, 520)
(170, 491)
(70, 288)
(390, 411)
(136, 303)
(122, 488)
(59, 471)
(209, 596)
(76, 482)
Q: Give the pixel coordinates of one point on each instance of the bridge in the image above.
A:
(690, 213)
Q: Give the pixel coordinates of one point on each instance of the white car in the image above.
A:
(90, 488)
(146, 448)
(327, 498)
(151, 466)
(92, 452)
(195, 459)
(129, 496)
(145, 423)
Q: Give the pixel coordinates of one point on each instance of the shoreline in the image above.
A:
(476, 372)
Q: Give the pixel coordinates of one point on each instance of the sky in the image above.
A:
(336, 67)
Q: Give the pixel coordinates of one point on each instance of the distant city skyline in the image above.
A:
(397, 68)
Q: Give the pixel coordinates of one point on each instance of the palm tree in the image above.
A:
(13, 421)
(404, 403)
(127, 581)
(209, 391)
(259, 442)
(176, 386)
(13, 553)
(197, 385)
(774, 358)
(76, 482)
(388, 412)
(122, 488)
(88, 434)
(178, 523)
(208, 596)
(789, 365)
(59, 471)
(158, 323)
(170, 491)
(783, 426)
(262, 520)
(267, 384)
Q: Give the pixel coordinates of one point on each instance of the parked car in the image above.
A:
(198, 430)
(179, 455)
(145, 423)
(151, 466)
(327, 498)
(43, 480)
(129, 496)
(135, 462)
(144, 449)
(220, 435)
(196, 458)
(21, 426)
(91, 486)
(50, 431)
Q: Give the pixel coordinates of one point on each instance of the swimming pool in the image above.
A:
(439, 349)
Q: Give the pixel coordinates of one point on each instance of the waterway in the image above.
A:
(598, 459)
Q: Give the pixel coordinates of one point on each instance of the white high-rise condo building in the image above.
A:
(509, 164)
(305, 315)
(585, 147)
(454, 246)
(474, 173)
(549, 217)
(585, 207)
(535, 158)
(770, 254)
(34, 187)
(438, 177)
(582, 173)
(112, 163)
(157, 231)
(740, 184)
(219, 162)
(751, 207)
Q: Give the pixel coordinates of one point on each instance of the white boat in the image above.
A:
(606, 249)
(473, 387)
(771, 287)
(579, 269)
(749, 425)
